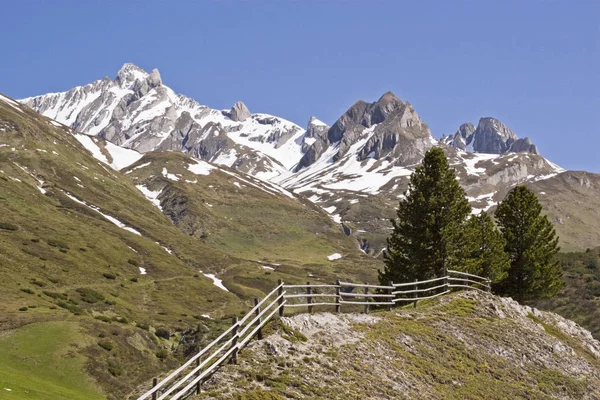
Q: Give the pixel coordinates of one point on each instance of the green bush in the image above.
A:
(162, 333)
(23, 309)
(28, 291)
(38, 283)
(143, 326)
(162, 354)
(108, 275)
(114, 369)
(56, 295)
(103, 318)
(71, 307)
(90, 295)
(57, 243)
(134, 279)
(106, 345)
(7, 226)
(133, 262)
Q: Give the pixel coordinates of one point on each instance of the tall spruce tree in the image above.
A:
(486, 249)
(532, 246)
(427, 236)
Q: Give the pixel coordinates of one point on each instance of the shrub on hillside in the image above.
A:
(108, 275)
(163, 333)
(90, 295)
(106, 345)
(56, 295)
(162, 354)
(7, 226)
(57, 243)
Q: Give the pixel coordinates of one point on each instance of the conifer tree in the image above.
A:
(427, 234)
(532, 246)
(486, 248)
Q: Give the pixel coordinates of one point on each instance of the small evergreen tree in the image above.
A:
(532, 246)
(486, 253)
(427, 235)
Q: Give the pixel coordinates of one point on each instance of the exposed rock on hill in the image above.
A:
(463, 346)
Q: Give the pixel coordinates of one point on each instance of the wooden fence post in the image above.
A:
(279, 293)
(446, 282)
(366, 298)
(198, 384)
(489, 285)
(391, 284)
(416, 294)
(154, 383)
(260, 336)
(337, 296)
(309, 297)
(235, 340)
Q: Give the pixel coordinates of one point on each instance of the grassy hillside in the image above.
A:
(251, 219)
(115, 288)
(462, 346)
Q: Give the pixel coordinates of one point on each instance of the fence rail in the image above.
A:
(188, 378)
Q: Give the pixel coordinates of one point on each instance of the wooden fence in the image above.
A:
(186, 380)
(356, 294)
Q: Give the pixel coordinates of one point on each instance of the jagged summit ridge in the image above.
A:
(136, 110)
(388, 128)
(491, 137)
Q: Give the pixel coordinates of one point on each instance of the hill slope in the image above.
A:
(462, 346)
(93, 269)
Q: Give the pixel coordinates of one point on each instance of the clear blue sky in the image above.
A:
(533, 64)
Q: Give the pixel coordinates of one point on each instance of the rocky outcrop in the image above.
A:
(462, 138)
(524, 353)
(391, 127)
(523, 146)
(239, 112)
(491, 136)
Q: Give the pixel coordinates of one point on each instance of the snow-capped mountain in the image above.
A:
(356, 170)
(136, 111)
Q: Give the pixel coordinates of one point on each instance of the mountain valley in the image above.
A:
(137, 222)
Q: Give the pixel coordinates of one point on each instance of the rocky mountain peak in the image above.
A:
(239, 112)
(491, 136)
(390, 126)
(130, 73)
(154, 79)
(492, 125)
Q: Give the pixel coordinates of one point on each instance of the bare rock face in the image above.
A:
(316, 128)
(462, 138)
(523, 146)
(392, 127)
(239, 112)
(154, 79)
(491, 137)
